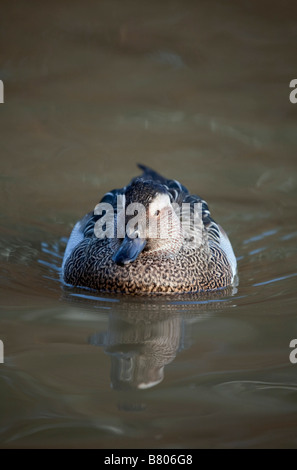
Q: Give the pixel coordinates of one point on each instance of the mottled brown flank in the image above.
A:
(190, 270)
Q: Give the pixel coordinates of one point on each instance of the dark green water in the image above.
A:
(200, 92)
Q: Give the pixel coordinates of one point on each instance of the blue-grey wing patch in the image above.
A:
(109, 198)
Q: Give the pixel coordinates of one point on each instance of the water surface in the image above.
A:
(200, 92)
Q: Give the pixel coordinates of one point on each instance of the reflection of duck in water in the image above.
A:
(191, 258)
(140, 348)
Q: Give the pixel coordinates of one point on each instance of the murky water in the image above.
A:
(200, 92)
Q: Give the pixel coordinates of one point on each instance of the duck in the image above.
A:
(150, 237)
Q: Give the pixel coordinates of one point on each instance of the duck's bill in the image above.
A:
(129, 250)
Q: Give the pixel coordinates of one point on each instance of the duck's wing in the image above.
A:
(216, 236)
(208, 222)
(84, 228)
(109, 198)
(196, 220)
(76, 237)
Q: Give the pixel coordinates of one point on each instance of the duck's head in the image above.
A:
(151, 222)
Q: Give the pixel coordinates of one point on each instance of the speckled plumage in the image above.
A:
(177, 266)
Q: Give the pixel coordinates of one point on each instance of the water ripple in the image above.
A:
(275, 280)
(93, 297)
(262, 235)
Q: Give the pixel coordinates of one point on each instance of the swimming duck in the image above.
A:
(194, 253)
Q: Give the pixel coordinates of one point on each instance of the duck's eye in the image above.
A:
(157, 213)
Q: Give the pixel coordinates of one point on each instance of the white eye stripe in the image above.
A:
(159, 202)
